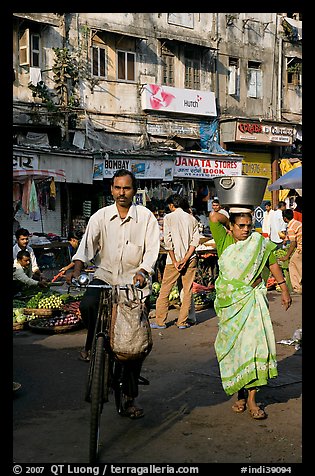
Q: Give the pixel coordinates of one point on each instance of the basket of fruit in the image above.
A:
(19, 319)
(57, 324)
(43, 306)
(40, 312)
(18, 326)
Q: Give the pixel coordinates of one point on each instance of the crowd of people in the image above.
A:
(124, 241)
(283, 227)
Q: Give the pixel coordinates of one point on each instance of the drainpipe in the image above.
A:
(279, 102)
(217, 62)
(274, 168)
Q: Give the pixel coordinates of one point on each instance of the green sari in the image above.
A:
(245, 343)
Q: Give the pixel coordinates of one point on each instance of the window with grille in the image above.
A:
(234, 77)
(167, 58)
(99, 61)
(192, 69)
(126, 65)
(254, 80)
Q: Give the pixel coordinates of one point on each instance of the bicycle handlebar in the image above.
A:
(82, 282)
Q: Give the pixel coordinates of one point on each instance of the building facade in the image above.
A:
(178, 98)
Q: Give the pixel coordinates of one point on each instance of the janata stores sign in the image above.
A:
(186, 101)
(204, 167)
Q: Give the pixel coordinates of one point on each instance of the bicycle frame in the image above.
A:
(102, 373)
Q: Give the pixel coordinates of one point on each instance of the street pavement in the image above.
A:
(188, 417)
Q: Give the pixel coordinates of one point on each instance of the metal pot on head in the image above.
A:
(243, 191)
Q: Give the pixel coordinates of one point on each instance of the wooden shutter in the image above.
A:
(24, 48)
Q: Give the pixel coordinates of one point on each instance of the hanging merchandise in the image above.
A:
(52, 196)
(33, 203)
(26, 195)
(87, 208)
(17, 195)
(43, 194)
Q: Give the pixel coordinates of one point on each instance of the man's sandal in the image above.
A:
(132, 411)
(85, 355)
(257, 413)
(239, 406)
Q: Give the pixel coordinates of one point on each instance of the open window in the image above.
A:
(234, 77)
(29, 48)
(98, 57)
(126, 65)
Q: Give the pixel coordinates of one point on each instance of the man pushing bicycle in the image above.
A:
(123, 240)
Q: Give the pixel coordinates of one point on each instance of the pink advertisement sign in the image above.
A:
(187, 101)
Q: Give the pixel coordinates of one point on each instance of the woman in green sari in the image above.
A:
(245, 343)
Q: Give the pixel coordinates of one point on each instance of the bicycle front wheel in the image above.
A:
(97, 387)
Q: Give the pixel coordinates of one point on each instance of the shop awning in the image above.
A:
(21, 175)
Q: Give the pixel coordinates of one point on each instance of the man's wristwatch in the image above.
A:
(142, 274)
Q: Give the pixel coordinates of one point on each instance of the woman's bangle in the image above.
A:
(282, 282)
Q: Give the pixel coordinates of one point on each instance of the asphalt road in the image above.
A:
(188, 417)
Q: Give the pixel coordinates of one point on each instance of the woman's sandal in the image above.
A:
(239, 406)
(257, 413)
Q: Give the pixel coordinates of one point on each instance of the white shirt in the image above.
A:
(265, 228)
(181, 231)
(121, 247)
(16, 249)
(24, 275)
(276, 224)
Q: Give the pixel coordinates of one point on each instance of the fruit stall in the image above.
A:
(47, 312)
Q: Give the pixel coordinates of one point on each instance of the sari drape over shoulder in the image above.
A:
(245, 343)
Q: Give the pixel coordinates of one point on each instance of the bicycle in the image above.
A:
(104, 373)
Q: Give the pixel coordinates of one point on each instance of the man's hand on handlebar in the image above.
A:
(140, 278)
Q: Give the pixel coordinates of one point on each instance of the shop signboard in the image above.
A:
(205, 168)
(187, 101)
(263, 133)
(98, 169)
(153, 169)
(141, 168)
(24, 161)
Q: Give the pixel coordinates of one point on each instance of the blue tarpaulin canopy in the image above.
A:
(290, 180)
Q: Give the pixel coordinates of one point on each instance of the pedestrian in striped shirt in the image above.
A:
(294, 253)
